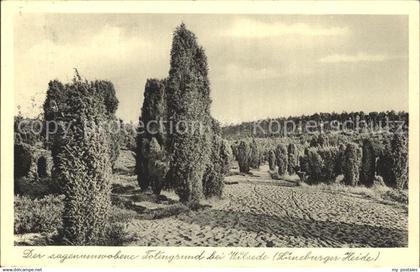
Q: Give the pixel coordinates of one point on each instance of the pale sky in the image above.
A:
(260, 65)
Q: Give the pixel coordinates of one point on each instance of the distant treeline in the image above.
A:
(345, 123)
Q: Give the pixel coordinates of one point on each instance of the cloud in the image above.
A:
(360, 57)
(247, 28)
(233, 70)
(241, 72)
(108, 54)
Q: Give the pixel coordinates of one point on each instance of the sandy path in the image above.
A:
(261, 212)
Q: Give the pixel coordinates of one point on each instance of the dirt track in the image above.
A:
(260, 212)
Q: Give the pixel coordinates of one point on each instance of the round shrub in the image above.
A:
(38, 215)
(157, 166)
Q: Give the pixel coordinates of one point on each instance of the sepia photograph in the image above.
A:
(211, 130)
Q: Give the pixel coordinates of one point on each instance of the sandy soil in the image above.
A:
(261, 212)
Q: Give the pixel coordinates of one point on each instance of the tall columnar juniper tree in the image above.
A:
(272, 160)
(243, 156)
(153, 115)
(384, 164)
(292, 154)
(218, 164)
(393, 162)
(82, 158)
(255, 155)
(367, 171)
(234, 147)
(281, 159)
(329, 157)
(188, 100)
(226, 156)
(106, 89)
(54, 105)
(341, 158)
(352, 163)
(314, 165)
(399, 168)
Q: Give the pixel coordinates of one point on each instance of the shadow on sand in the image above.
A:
(332, 234)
